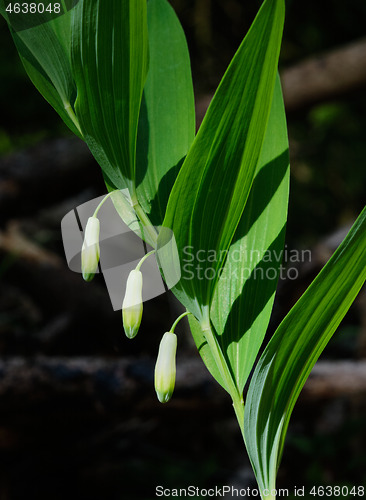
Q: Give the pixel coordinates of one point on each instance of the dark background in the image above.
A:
(78, 415)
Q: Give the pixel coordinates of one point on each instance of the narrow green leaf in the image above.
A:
(244, 295)
(45, 53)
(109, 60)
(167, 117)
(213, 184)
(294, 348)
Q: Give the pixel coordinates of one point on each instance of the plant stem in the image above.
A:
(231, 387)
(238, 404)
(151, 231)
(143, 259)
(178, 319)
(101, 203)
(220, 360)
(71, 113)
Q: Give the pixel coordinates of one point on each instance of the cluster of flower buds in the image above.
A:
(132, 306)
(90, 253)
(132, 313)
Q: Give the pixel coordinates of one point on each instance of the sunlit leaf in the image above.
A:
(213, 185)
(167, 117)
(294, 348)
(245, 293)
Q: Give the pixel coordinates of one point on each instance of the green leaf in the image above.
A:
(45, 53)
(244, 295)
(294, 348)
(205, 351)
(109, 61)
(167, 117)
(213, 185)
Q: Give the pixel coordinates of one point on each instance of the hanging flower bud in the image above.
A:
(165, 367)
(90, 250)
(132, 304)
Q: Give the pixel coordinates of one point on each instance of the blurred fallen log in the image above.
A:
(129, 381)
(101, 382)
(325, 76)
(321, 78)
(46, 277)
(14, 242)
(330, 379)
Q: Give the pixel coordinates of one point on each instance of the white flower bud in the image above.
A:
(90, 250)
(132, 304)
(165, 367)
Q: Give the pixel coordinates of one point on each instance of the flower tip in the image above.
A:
(130, 331)
(88, 276)
(163, 397)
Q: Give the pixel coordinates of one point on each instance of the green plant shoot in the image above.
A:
(118, 74)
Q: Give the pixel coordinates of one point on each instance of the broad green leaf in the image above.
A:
(294, 348)
(167, 117)
(244, 295)
(109, 61)
(45, 53)
(214, 182)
